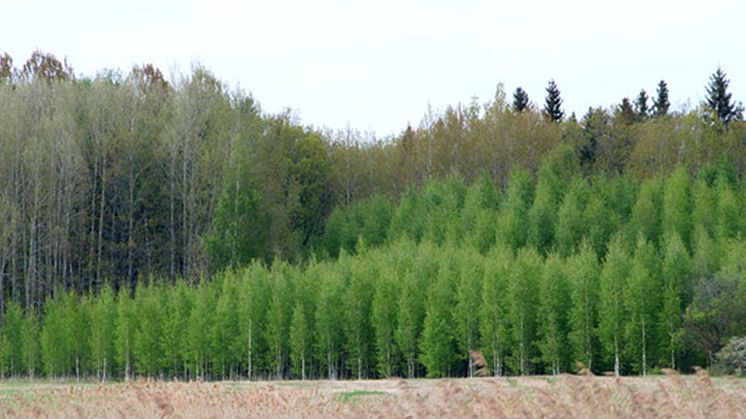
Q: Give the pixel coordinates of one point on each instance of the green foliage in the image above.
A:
(553, 324)
(103, 321)
(582, 271)
(12, 360)
(438, 344)
(611, 313)
(522, 291)
(642, 298)
(512, 226)
(239, 227)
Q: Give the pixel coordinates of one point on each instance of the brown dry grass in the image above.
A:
(671, 396)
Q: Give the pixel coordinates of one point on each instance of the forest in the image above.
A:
(171, 228)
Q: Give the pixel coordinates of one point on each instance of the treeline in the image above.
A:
(616, 274)
(113, 179)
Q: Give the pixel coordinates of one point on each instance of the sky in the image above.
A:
(379, 65)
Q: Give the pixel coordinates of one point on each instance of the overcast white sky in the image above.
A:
(377, 64)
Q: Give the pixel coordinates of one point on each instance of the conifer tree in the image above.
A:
(626, 113)
(661, 103)
(719, 100)
(641, 106)
(553, 103)
(520, 100)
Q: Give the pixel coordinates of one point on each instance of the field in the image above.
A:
(561, 396)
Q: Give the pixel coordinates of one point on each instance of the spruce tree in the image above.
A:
(641, 106)
(553, 103)
(626, 113)
(520, 100)
(719, 100)
(661, 103)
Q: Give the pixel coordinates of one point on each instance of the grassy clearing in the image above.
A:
(560, 396)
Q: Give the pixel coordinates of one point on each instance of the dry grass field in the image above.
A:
(671, 396)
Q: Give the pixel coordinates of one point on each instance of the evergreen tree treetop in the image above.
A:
(520, 100)
(719, 100)
(553, 103)
(661, 103)
(641, 105)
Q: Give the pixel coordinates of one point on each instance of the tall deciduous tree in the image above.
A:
(582, 271)
(611, 313)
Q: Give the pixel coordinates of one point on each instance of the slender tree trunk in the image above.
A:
(644, 352)
(130, 221)
(522, 349)
(616, 355)
(100, 227)
(251, 355)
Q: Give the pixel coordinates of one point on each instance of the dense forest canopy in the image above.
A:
(172, 227)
